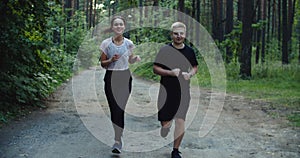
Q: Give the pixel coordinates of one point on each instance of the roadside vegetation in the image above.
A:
(45, 42)
(271, 82)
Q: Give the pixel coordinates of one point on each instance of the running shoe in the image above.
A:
(176, 154)
(117, 147)
(164, 131)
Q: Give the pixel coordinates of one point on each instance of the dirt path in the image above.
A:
(76, 125)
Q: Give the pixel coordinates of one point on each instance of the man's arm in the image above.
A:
(163, 72)
(193, 71)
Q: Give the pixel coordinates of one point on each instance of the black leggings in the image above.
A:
(117, 90)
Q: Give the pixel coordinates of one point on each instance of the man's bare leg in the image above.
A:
(165, 128)
(179, 132)
(166, 124)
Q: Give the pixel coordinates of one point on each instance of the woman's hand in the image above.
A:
(137, 58)
(106, 61)
(114, 58)
(133, 59)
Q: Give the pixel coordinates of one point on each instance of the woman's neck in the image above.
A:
(118, 39)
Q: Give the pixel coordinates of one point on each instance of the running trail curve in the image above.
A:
(76, 125)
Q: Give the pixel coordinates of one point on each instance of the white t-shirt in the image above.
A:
(124, 50)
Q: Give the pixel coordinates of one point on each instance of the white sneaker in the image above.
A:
(117, 147)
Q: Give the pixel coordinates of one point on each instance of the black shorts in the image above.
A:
(173, 100)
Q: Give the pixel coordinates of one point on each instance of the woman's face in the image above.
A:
(118, 26)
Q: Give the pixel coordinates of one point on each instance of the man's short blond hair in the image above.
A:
(178, 25)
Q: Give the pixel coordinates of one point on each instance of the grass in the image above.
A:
(294, 119)
(16, 113)
(283, 94)
(273, 83)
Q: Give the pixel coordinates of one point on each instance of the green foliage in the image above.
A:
(39, 46)
(146, 71)
(294, 119)
(271, 82)
(203, 76)
(145, 35)
(169, 4)
(33, 60)
(232, 42)
(22, 40)
(75, 33)
(123, 5)
(232, 71)
(88, 54)
(260, 24)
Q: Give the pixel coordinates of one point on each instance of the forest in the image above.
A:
(42, 43)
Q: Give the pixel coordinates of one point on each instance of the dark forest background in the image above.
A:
(259, 41)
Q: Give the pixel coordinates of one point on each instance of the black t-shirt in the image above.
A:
(170, 58)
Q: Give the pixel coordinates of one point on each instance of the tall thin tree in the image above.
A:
(291, 13)
(246, 39)
(217, 17)
(279, 23)
(258, 32)
(181, 9)
(240, 10)
(263, 42)
(285, 35)
(229, 27)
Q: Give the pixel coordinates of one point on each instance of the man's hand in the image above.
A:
(186, 75)
(175, 72)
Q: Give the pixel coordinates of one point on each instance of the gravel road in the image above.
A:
(76, 125)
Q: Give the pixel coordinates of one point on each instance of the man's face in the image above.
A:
(178, 35)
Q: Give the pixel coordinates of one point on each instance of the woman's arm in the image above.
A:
(105, 61)
(134, 58)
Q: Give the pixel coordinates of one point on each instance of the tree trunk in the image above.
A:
(273, 19)
(245, 59)
(268, 17)
(240, 9)
(299, 50)
(258, 32)
(115, 7)
(86, 7)
(141, 12)
(263, 43)
(65, 25)
(279, 23)
(208, 14)
(198, 8)
(181, 9)
(77, 9)
(290, 24)
(90, 14)
(155, 10)
(229, 27)
(68, 6)
(285, 28)
(217, 17)
(194, 9)
(95, 13)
